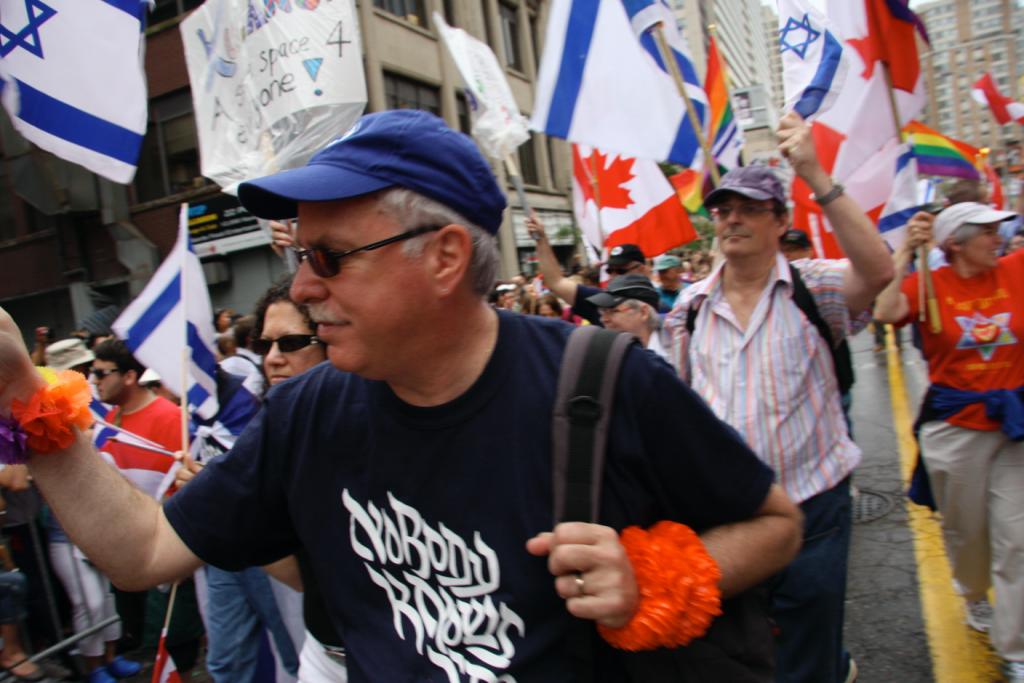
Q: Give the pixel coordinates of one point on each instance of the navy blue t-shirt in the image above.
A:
(416, 519)
(585, 309)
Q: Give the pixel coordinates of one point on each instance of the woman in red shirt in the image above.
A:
(972, 421)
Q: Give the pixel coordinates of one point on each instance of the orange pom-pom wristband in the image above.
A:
(51, 414)
(678, 582)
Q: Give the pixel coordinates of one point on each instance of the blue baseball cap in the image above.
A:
(400, 148)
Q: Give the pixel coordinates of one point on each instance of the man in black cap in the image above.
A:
(762, 361)
(630, 305)
(415, 467)
(622, 259)
(795, 245)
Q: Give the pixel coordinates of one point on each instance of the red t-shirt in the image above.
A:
(979, 347)
(160, 422)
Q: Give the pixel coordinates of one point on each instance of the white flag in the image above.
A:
(814, 63)
(175, 307)
(903, 201)
(271, 82)
(73, 81)
(498, 127)
(599, 85)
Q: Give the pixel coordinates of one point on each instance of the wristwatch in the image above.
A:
(831, 195)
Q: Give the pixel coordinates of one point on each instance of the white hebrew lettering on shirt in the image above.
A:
(439, 588)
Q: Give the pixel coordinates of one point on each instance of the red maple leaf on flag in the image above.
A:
(610, 190)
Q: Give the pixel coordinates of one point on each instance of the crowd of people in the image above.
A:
(387, 514)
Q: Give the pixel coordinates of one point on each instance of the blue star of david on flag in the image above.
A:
(792, 25)
(72, 79)
(28, 36)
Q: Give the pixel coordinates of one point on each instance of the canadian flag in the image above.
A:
(984, 91)
(164, 670)
(619, 200)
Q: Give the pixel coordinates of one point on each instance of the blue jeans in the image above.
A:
(808, 596)
(240, 605)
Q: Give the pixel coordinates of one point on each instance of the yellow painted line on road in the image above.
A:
(959, 654)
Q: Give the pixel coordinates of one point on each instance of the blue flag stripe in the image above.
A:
(197, 395)
(76, 126)
(579, 33)
(201, 355)
(686, 144)
(155, 314)
(816, 91)
(897, 219)
(725, 138)
(135, 8)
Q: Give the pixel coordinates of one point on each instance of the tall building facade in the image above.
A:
(770, 23)
(968, 39)
(72, 243)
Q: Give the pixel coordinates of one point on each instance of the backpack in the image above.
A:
(739, 647)
(842, 363)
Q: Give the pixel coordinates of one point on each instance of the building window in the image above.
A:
(510, 35)
(528, 163)
(462, 113)
(405, 93)
(410, 10)
(168, 9)
(169, 162)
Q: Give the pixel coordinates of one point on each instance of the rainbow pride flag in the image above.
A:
(940, 155)
(723, 133)
(690, 188)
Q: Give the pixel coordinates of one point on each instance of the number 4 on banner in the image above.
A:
(339, 40)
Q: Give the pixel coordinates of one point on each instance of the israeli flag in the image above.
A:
(101, 432)
(814, 66)
(904, 200)
(171, 314)
(72, 79)
(597, 85)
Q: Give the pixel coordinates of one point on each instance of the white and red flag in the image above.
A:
(881, 36)
(1005, 110)
(164, 670)
(619, 200)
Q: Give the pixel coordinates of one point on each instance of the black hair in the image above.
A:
(279, 291)
(117, 352)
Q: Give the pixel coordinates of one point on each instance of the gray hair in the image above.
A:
(412, 209)
(960, 234)
(653, 320)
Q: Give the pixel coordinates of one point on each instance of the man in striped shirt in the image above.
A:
(764, 368)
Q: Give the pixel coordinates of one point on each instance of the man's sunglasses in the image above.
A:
(100, 374)
(623, 270)
(285, 344)
(327, 262)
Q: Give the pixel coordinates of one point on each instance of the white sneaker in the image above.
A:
(979, 615)
(1015, 672)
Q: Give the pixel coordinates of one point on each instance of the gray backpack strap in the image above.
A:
(582, 412)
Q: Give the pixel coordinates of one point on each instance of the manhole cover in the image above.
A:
(870, 505)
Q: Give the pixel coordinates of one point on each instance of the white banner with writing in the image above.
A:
(271, 82)
(498, 126)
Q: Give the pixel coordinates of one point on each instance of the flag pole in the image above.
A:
(691, 111)
(185, 355)
(925, 287)
(167, 622)
(517, 182)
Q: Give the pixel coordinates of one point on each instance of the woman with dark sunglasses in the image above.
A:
(285, 336)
